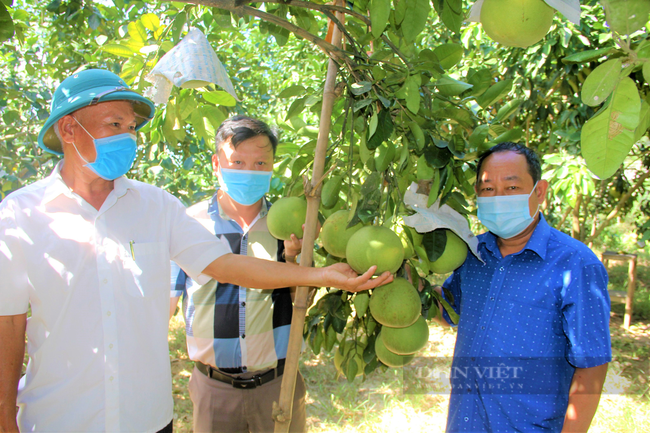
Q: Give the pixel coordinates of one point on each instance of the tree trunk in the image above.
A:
(282, 410)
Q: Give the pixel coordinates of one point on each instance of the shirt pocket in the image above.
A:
(146, 268)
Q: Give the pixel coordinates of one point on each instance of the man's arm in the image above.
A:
(265, 274)
(173, 302)
(584, 395)
(12, 352)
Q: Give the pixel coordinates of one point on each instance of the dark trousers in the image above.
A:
(169, 428)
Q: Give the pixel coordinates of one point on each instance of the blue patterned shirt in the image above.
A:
(527, 321)
(236, 329)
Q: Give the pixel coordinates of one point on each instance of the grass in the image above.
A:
(378, 404)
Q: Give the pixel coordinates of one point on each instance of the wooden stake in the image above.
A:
(282, 411)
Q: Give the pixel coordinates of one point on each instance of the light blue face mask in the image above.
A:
(245, 186)
(115, 154)
(506, 215)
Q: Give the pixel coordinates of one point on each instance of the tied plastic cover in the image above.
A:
(191, 63)
(427, 219)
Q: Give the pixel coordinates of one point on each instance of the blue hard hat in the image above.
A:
(85, 88)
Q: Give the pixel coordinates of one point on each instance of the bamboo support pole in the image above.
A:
(282, 410)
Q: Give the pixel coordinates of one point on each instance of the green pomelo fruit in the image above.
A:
(329, 194)
(335, 235)
(350, 352)
(396, 304)
(387, 357)
(375, 245)
(516, 23)
(406, 341)
(286, 216)
(454, 255)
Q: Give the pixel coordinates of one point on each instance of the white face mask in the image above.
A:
(506, 215)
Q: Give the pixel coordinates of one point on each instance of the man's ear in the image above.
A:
(66, 128)
(215, 163)
(541, 190)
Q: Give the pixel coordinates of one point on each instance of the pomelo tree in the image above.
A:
(420, 95)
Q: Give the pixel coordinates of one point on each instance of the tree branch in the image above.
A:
(614, 213)
(321, 8)
(236, 7)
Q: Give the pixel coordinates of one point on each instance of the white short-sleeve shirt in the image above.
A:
(98, 286)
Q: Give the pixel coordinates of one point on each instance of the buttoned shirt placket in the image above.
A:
(242, 290)
(104, 246)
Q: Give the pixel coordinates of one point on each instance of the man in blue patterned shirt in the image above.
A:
(533, 336)
(238, 336)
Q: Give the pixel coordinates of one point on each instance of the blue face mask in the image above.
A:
(506, 215)
(115, 155)
(245, 186)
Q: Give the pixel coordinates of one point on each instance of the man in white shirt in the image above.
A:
(89, 251)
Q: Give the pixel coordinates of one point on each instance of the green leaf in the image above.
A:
(412, 90)
(150, 21)
(6, 24)
(626, 16)
(383, 132)
(479, 135)
(481, 81)
(434, 244)
(219, 97)
(94, 21)
(177, 26)
(118, 50)
(644, 121)
(495, 93)
(449, 54)
(586, 56)
(601, 82)
(424, 171)
(435, 189)
(292, 91)
(418, 134)
(360, 88)
(450, 87)
(379, 12)
(512, 135)
(296, 108)
(214, 115)
(417, 12)
(451, 13)
(400, 11)
(607, 137)
(507, 110)
(646, 72)
(137, 31)
(53, 6)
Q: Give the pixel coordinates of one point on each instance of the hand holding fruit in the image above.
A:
(342, 276)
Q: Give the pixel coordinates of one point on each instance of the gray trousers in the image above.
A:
(218, 407)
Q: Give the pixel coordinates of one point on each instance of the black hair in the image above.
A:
(241, 128)
(534, 163)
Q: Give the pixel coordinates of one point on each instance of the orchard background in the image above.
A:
(421, 92)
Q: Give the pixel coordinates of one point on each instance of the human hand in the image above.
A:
(292, 247)
(342, 276)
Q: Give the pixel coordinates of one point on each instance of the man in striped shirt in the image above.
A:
(238, 336)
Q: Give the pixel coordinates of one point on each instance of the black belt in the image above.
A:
(252, 382)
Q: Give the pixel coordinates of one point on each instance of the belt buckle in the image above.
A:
(251, 383)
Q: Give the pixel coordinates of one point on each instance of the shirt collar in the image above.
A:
(537, 243)
(56, 186)
(214, 207)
